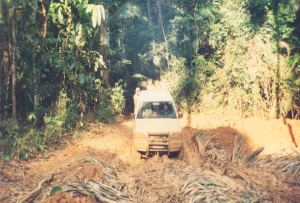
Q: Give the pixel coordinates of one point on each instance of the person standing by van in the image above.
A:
(136, 96)
(163, 84)
(156, 85)
(150, 86)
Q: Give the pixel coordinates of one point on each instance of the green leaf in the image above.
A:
(79, 28)
(6, 157)
(98, 81)
(42, 147)
(31, 116)
(84, 92)
(81, 77)
(50, 126)
(72, 66)
(55, 189)
(77, 38)
(25, 156)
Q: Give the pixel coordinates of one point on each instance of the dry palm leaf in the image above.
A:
(240, 152)
(208, 150)
(99, 191)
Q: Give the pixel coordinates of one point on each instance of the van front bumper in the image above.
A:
(154, 143)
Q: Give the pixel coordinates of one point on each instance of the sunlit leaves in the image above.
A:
(54, 11)
(128, 10)
(66, 2)
(97, 12)
(32, 116)
(99, 16)
(94, 17)
(134, 10)
(78, 28)
(60, 15)
(102, 12)
(57, 11)
(99, 62)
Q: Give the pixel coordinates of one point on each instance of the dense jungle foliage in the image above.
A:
(64, 62)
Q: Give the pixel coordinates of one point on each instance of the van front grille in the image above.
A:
(158, 138)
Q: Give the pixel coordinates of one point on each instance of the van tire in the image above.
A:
(135, 155)
(180, 154)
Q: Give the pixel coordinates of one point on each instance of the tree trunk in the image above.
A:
(190, 47)
(276, 108)
(104, 37)
(6, 67)
(162, 32)
(1, 56)
(124, 41)
(8, 28)
(161, 61)
(150, 23)
(44, 19)
(35, 101)
(43, 33)
(149, 14)
(13, 66)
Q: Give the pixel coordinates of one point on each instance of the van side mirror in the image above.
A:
(180, 115)
(132, 116)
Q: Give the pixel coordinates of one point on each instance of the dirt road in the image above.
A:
(159, 179)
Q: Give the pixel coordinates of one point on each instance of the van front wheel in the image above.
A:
(135, 155)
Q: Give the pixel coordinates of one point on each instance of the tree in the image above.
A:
(104, 38)
(13, 64)
(277, 8)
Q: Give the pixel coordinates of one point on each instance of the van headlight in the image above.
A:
(175, 136)
(140, 136)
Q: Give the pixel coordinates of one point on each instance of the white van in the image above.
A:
(156, 125)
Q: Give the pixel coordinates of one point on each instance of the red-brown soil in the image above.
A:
(273, 134)
(66, 197)
(112, 144)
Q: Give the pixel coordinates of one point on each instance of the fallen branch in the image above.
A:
(34, 193)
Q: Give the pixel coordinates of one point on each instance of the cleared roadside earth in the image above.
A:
(208, 176)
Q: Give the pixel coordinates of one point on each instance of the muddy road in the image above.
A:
(187, 178)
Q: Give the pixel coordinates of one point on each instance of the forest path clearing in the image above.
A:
(158, 179)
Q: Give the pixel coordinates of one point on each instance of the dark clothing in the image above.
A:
(163, 113)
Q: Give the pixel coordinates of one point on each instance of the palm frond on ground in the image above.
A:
(99, 191)
(208, 150)
(286, 164)
(241, 153)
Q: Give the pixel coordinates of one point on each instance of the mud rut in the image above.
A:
(159, 179)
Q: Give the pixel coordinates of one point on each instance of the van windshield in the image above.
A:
(156, 110)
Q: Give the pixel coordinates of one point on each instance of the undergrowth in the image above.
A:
(23, 139)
